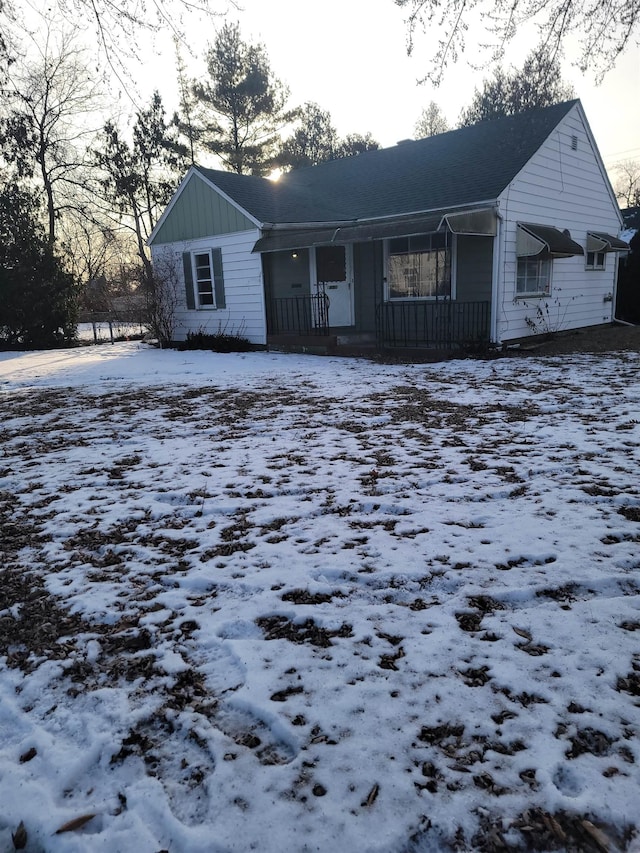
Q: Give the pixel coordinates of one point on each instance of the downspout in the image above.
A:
(614, 290)
(495, 280)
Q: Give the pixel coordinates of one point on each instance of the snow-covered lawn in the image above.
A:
(289, 603)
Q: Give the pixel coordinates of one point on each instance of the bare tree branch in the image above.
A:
(605, 27)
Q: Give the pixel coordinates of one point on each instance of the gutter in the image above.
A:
(345, 223)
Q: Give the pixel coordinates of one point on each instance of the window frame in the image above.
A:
(539, 260)
(422, 244)
(203, 306)
(594, 265)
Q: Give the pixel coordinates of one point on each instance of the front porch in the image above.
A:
(302, 323)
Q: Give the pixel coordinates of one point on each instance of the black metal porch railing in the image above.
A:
(442, 324)
(301, 315)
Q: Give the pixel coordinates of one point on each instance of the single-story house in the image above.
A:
(488, 233)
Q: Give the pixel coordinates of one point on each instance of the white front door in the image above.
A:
(332, 276)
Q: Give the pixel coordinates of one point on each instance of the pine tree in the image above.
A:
(242, 106)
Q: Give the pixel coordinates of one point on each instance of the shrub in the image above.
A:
(220, 341)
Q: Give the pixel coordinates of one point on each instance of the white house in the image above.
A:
(491, 233)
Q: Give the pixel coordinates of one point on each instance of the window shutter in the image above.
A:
(188, 280)
(218, 278)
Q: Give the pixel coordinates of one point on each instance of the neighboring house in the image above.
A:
(491, 232)
(630, 223)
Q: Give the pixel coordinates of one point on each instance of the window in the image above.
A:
(331, 264)
(533, 276)
(419, 267)
(596, 260)
(203, 278)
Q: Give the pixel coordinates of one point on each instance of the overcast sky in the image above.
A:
(349, 56)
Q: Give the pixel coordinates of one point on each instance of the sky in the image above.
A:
(302, 603)
(349, 56)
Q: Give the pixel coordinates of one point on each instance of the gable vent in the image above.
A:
(574, 143)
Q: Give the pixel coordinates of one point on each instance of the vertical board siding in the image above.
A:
(200, 212)
(474, 265)
(566, 189)
(244, 311)
(368, 261)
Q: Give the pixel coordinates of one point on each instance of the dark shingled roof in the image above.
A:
(473, 164)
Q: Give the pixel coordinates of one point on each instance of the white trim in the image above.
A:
(595, 266)
(195, 283)
(534, 294)
(599, 161)
(496, 280)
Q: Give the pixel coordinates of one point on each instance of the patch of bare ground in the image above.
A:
(595, 339)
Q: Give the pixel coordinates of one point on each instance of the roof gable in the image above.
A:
(197, 210)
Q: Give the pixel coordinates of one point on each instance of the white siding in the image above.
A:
(565, 188)
(244, 312)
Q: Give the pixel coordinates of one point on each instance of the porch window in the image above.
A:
(419, 267)
(596, 260)
(534, 276)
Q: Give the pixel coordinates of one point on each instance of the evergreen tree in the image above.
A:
(537, 84)
(431, 122)
(242, 105)
(314, 140)
(38, 298)
(354, 144)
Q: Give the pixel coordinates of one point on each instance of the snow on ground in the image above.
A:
(289, 603)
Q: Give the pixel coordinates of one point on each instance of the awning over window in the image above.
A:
(597, 241)
(536, 239)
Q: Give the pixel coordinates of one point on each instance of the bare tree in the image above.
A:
(627, 183)
(117, 24)
(91, 249)
(139, 177)
(162, 296)
(432, 121)
(605, 29)
(50, 104)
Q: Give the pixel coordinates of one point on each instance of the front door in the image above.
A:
(333, 278)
